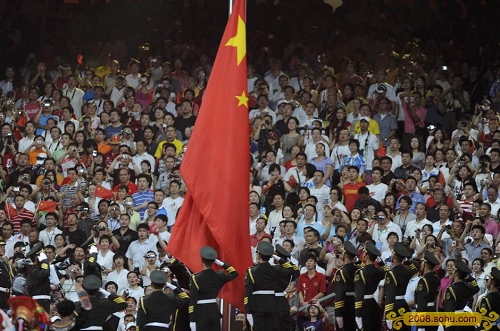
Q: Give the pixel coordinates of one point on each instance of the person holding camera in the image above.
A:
(38, 150)
(123, 161)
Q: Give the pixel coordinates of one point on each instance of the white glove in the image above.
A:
(389, 324)
(219, 262)
(192, 325)
(104, 292)
(42, 256)
(170, 286)
(421, 329)
(93, 249)
(276, 257)
(340, 322)
(359, 322)
(250, 319)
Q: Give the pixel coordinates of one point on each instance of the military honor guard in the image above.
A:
(396, 281)
(344, 289)
(261, 282)
(459, 293)
(366, 280)
(427, 288)
(38, 282)
(282, 256)
(6, 276)
(103, 304)
(204, 314)
(490, 303)
(155, 310)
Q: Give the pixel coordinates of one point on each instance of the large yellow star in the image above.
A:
(239, 41)
(242, 99)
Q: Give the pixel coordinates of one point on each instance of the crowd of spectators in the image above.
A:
(379, 123)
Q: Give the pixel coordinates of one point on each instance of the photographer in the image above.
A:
(123, 161)
(73, 276)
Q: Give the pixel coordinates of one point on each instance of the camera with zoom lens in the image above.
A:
(173, 176)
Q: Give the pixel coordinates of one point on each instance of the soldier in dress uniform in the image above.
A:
(396, 281)
(286, 320)
(427, 287)
(261, 282)
(5, 278)
(154, 311)
(38, 282)
(366, 280)
(204, 312)
(491, 301)
(344, 289)
(457, 295)
(180, 321)
(103, 304)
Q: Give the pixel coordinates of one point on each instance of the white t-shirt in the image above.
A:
(48, 237)
(368, 143)
(412, 226)
(172, 206)
(338, 153)
(322, 194)
(378, 191)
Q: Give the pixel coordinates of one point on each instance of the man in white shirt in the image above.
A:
(133, 79)
(299, 172)
(173, 202)
(368, 142)
(394, 153)
(377, 188)
(380, 85)
(142, 154)
(254, 215)
(320, 190)
(275, 216)
(444, 220)
(341, 149)
(47, 235)
(494, 201)
(419, 222)
(75, 96)
(382, 229)
(139, 248)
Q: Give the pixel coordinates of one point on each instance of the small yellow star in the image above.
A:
(242, 99)
(239, 41)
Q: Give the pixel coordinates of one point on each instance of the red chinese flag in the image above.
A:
(102, 192)
(47, 206)
(11, 211)
(215, 209)
(67, 180)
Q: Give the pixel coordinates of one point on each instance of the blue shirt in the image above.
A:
(140, 198)
(416, 198)
(43, 121)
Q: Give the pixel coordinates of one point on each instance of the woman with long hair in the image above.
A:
(290, 139)
(418, 150)
(435, 140)
(338, 122)
(293, 161)
(324, 163)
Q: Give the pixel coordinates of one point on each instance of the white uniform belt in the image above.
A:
(430, 304)
(459, 311)
(158, 324)
(92, 328)
(47, 297)
(349, 294)
(279, 294)
(263, 292)
(399, 297)
(368, 296)
(205, 301)
(4, 289)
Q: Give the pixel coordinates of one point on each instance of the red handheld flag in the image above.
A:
(215, 209)
(11, 211)
(102, 192)
(47, 206)
(67, 180)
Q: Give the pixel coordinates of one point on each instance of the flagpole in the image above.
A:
(230, 7)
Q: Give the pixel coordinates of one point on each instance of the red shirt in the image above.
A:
(255, 240)
(350, 192)
(310, 287)
(16, 219)
(132, 188)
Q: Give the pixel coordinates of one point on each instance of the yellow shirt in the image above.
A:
(178, 147)
(372, 127)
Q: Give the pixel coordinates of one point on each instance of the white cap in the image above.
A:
(40, 158)
(129, 325)
(366, 118)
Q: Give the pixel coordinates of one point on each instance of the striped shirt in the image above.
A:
(142, 197)
(16, 219)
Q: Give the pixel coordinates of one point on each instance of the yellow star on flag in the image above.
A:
(242, 99)
(239, 41)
